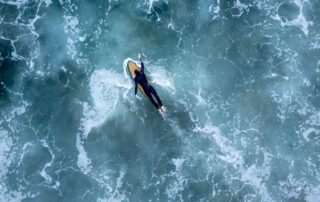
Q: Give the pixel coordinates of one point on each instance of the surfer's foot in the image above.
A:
(160, 111)
(163, 109)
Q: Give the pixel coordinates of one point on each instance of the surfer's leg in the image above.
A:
(153, 91)
(151, 98)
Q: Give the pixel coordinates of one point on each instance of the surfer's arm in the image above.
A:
(142, 66)
(135, 88)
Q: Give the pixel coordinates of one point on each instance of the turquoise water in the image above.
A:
(240, 80)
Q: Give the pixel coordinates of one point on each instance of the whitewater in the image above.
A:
(240, 80)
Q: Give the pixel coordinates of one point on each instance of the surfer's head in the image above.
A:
(136, 72)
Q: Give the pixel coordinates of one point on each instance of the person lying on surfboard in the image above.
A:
(141, 79)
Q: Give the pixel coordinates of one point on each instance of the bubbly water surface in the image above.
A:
(240, 80)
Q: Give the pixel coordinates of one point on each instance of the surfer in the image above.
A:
(141, 79)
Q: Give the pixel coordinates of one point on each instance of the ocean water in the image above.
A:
(240, 80)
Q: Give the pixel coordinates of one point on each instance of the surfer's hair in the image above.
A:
(137, 72)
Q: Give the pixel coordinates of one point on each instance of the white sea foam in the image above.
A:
(150, 4)
(82, 38)
(48, 2)
(16, 3)
(199, 97)
(178, 163)
(293, 188)
(230, 154)
(214, 9)
(251, 175)
(314, 119)
(105, 87)
(284, 94)
(300, 21)
(19, 110)
(161, 77)
(241, 7)
(311, 125)
(117, 196)
(29, 29)
(176, 184)
(307, 132)
(6, 144)
(315, 44)
(114, 193)
(125, 63)
(71, 24)
(71, 27)
(43, 173)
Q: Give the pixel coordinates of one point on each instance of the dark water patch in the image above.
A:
(266, 51)
(294, 38)
(278, 173)
(234, 54)
(74, 78)
(284, 69)
(5, 49)
(259, 44)
(144, 153)
(29, 10)
(132, 140)
(35, 153)
(66, 118)
(77, 183)
(288, 11)
(150, 36)
(224, 73)
(124, 144)
(8, 13)
(177, 115)
(255, 103)
(212, 48)
(25, 174)
(26, 45)
(308, 61)
(315, 98)
(55, 102)
(308, 12)
(197, 190)
(181, 117)
(52, 39)
(212, 29)
(4, 96)
(254, 15)
(10, 72)
(183, 13)
(12, 31)
(91, 12)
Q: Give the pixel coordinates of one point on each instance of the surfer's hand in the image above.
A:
(139, 55)
(163, 109)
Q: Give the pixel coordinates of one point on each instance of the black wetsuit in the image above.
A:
(148, 89)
